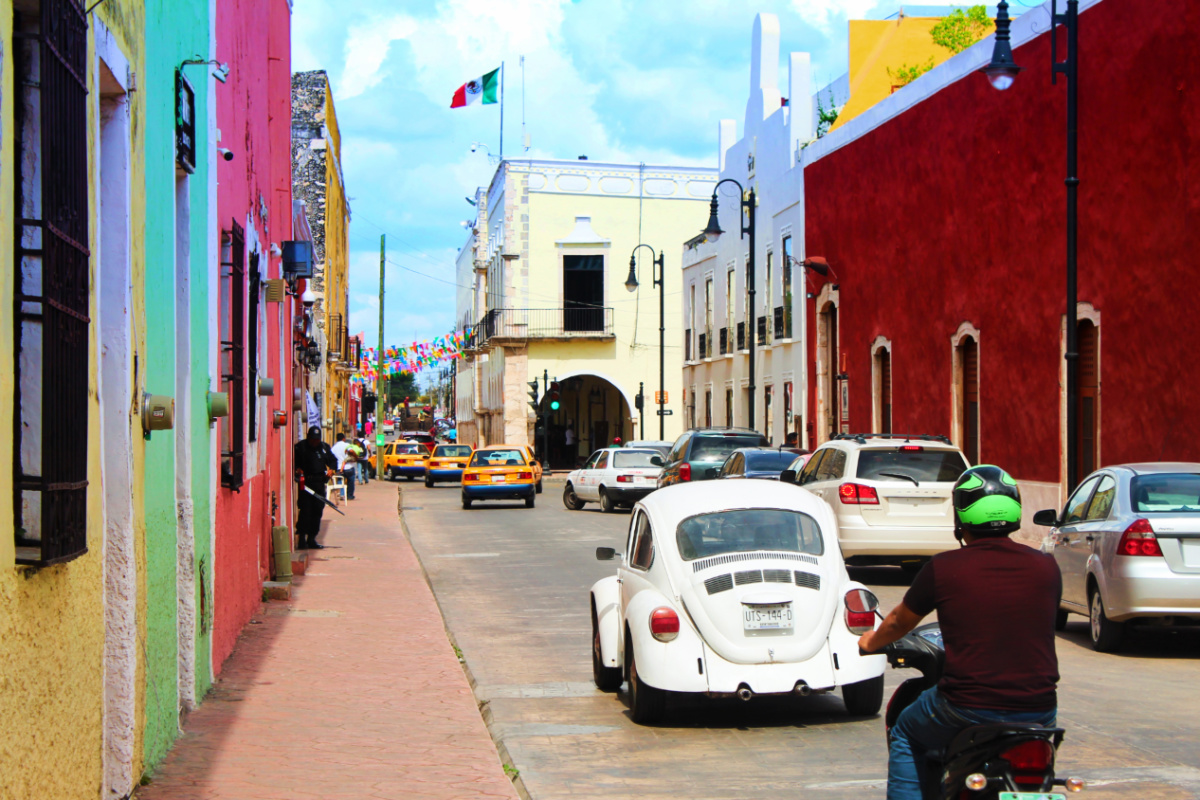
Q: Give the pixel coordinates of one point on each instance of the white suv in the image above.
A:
(890, 494)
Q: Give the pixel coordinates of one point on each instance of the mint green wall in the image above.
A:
(175, 30)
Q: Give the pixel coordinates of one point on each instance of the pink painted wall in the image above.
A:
(254, 189)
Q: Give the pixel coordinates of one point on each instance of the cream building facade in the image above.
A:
(542, 282)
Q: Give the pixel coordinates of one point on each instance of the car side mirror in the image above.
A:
(656, 461)
(711, 472)
(787, 476)
(606, 553)
(1049, 518)
(860, 601)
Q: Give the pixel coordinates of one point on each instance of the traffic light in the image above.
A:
(639, 400)
(534, 401)
(553, 393)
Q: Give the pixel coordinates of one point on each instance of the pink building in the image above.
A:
(254, 356)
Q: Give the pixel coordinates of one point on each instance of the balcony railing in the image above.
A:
(762, 331)
(703, 345)
(741, 336)
(779, 329)
(545, 323)
(724, 340)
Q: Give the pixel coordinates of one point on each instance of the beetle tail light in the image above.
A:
(859, 618)
(685, 471)
(1139, 540)
(664, 624)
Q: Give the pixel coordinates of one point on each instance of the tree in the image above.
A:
(400, 387)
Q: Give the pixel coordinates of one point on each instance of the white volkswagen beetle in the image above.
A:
(732, 588)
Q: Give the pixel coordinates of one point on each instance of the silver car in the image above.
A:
(1128, 545)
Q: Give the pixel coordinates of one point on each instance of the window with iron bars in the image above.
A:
(762, 331)
(687, 345)
(51, 292)
(232, 320)
(252, 348)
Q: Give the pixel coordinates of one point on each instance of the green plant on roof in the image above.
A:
(956, 32)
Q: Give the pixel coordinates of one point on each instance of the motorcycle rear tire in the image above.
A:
(865, 698)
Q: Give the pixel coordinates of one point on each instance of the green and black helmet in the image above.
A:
(987, 502)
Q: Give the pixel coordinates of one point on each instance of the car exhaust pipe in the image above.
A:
(803, 689)
(744, 693)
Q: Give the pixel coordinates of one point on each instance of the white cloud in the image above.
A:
(824, 14)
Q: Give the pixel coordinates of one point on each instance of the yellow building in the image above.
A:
(71, 558)
(543, 283)
(318, 181)
(880, 50)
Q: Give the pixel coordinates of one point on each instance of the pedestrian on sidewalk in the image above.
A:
(346, 460)
(364, 469)
(314, 463)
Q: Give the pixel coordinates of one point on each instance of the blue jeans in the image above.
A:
(928, 726)
(348, 474)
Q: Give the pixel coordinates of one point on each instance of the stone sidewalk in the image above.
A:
(349, 690)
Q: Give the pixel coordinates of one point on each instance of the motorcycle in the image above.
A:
(1003, 761)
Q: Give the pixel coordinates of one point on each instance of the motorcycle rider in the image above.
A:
(996, 601)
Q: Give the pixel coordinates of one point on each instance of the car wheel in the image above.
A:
(606, 505)
(539, 486)
(570, 499)
(395, 474)
(1060, 619)
(863, 699)
(608, 679)
(429, 483)
(1106, 634)
(529, 501)
(466, 501)
(646, 704)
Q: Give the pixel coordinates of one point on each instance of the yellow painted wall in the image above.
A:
(876, 46)
(52, 619)
(337, 261)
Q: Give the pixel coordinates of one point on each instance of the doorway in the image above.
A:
(583, 293)
(968, 365)
(830, 412)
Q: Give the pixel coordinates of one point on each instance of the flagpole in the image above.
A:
(501, 111)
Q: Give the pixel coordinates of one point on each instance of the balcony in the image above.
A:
(522, 324)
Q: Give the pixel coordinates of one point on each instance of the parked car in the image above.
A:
(1128, 546)
(613, 477)
(698, 453)
(662, 447)
(731, 589)
(891, 494)
(500, 472)
(537, 466)
(447, 463)
(757, 462)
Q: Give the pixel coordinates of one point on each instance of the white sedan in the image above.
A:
(614, 477)
(732, 588)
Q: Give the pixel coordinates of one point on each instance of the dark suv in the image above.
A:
(697, 455)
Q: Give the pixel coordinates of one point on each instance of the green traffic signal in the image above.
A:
(554, 405)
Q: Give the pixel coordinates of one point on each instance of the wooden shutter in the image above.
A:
(885, 390)
(233, 351)
(970, 409)
(1087, 418)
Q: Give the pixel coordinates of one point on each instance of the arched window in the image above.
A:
(967, 379)
(881, 385)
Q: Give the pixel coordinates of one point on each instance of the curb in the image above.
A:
(485, 711)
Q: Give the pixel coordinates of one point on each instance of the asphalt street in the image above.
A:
(513, 583)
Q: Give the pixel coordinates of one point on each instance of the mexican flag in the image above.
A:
(480, 90)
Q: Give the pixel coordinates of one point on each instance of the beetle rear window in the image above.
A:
(747, 530)
(1177, 492)
(924, 466)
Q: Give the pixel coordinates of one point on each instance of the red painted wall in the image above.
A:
(956, 211)
(254, 117)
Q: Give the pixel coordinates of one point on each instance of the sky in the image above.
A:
(615, 80)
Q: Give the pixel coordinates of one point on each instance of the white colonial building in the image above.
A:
(542, 282)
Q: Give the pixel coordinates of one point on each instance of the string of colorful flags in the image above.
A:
(411, 359)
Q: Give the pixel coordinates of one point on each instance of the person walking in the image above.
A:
(570, 446)
(346, 459)
(364, 469)
(314, 464)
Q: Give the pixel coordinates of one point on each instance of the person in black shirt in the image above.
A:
(996, 601)
(314, 465)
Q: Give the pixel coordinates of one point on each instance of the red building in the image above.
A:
(942, 212)
(254, 205)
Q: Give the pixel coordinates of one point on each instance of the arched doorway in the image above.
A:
(829, 413)
(593, 412)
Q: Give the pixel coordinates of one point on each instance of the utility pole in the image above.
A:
(380, 397)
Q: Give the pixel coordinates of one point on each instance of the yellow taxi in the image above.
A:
(447, 463)
(405, 459)
(537, 466)
(499, 472)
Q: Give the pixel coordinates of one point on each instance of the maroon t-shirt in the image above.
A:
(996, 600)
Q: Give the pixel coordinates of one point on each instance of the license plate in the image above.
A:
(499, 478)
(767, 617)
(1032, 796)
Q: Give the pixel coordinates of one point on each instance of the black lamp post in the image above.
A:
(1001, 72)
(713, 232)
(631, 283)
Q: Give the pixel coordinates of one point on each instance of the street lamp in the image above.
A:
(1001, 72)
(631, 283)
(712, 232)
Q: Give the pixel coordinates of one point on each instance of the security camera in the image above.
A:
(226, 153)
(308, 298)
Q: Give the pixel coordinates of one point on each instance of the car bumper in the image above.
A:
(859, 539)
(406, 471)
(493, 492)
(444, 474)
(623, 495)
(817, 673)
(1146, 587)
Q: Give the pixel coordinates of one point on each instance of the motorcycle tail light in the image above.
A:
(664, 624)
(855, 494)
(1035, 755)
(685, 471)
(859, 622)
(1074, 784)
(1139, 540)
